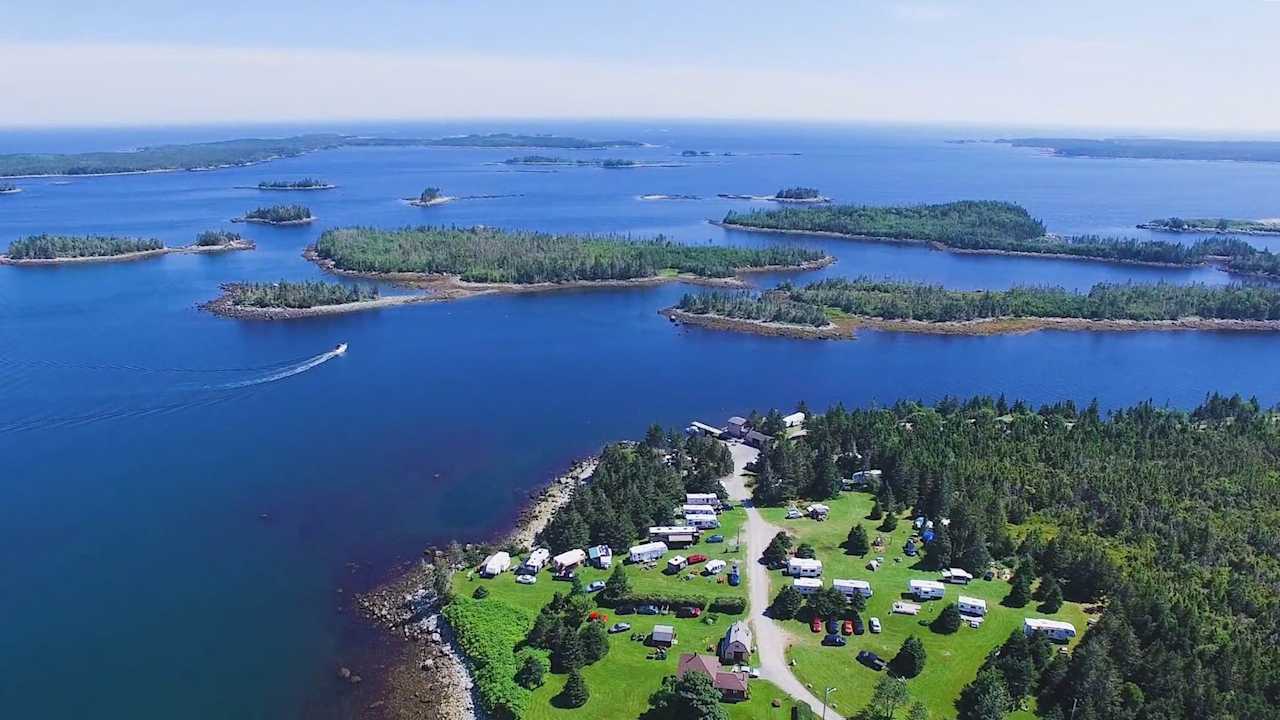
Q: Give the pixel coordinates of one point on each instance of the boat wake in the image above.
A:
(286, 372)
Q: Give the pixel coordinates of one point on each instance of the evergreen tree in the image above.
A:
(575, 693)
(918, 711)
(986, 698)
(877, 512)
(1051, 595)
(567, 654)
(1019, 586)
(857, 543)
(827, 603)
(594, 641)
(786, 603)
(826, 477)
(890, 522)
(654, 438)
(441, 581)
(775, 555)
(909, 662)
(937, 552)
(576, 587)
(532, 672)
(1017, 666)
(948, 621)
(889, 695)
(807, 551)
(692, 697)
(617, 586)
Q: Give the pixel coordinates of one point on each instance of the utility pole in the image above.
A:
(826, 700)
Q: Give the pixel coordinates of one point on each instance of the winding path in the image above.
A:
(771, 639)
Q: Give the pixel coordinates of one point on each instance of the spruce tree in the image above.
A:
(877, 512)
(986, 698)
(948, 621)
(1051, 592)
(909, 662)
(594, 640)
(532, 672)
(786, 604)
(937, 552)
(575, 693)
(617, 586)
(890, 522)
(775, 555)
(857, 543)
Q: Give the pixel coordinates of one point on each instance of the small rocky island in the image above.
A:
(430, 197)
(58, 249)
(291, 300)
(793, 195)
(303, 184)
(278, 215)
(1226, 226)
(8, 188)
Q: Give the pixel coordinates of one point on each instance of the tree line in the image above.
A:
(280, 213)
(1167, 520)
(214, 238)
(482, 254)
(303, 184)
(309, 293)
(50, 247)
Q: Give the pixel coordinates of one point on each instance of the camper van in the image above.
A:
(1053, 629)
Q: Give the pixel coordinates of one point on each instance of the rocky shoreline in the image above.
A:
(127, 257)
(225, 306)
(429, 679)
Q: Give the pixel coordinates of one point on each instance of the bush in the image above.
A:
(532, 672)
(488, 633)
(806, 551)
(481, 592)
(673, 601)
(948, 621)
(729, 605)
(575, 693)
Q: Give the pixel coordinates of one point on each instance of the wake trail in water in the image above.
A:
(286, 372)
(72, 365)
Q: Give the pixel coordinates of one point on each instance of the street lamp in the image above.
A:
(826, 700)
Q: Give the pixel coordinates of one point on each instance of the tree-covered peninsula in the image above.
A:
(279, 215)
(491, 255)
(845, 304)
(304, 294)
(1213, 225)
(1155, 148)
(303, 184)
(249, 151)
(58, 247)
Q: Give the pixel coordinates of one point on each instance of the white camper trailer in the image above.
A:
(648, 552)
(971, 605)
(536, 561)
(1052, 629)
(849, 588)
(926, 589)
(807, 586)
(804, 567)
(496, 564)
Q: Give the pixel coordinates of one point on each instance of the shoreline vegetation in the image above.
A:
(286, 300)
(1223, 226)
(466, 260)
(244, 152)
(793, 195)
(1153, 148)
(606, 163)
(834, 308)
(998, 228)
(290, 185)
(278, 215)
(69, 249)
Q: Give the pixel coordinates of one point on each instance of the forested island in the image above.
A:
(278, 215)
(53, 249)
(8, 188)
(1155, 148)
(800, 195)
(429, 197)
(249, 151)
(286, 300)
(837, 306)
(607, 163)
(1213, 225)
(303, 184)
(494, 256)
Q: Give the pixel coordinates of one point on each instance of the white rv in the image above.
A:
(852, 587)
(804, 567)
(702, 499)
(647, 552)
(926, 589)
(807, 586)
(703, 522)
(1052, 629)
(957, 576)
(536, 561)
(972, 605)
(687, 510)
(496, 564)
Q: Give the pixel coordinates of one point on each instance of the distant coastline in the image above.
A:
(264, 221)
(128, 257)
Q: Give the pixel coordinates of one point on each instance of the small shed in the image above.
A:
(737, 643)
(601, 556)
(662, 636)
(714, 567)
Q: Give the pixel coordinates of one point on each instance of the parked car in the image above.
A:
(858, 629)
(620, 627)
(816, 624)
(871, 660)
(875, 624)
(626, 609)
(734, 579)
(595, 586)
(751, 671)
(847, 627)
(566, 575)
(526, 579)
(834, 640)
(833, 626)
(794, 513)
(716, 539)
(647, 610)
(689, 612)
(698, 558)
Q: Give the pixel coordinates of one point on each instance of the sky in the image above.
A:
(1136, 64)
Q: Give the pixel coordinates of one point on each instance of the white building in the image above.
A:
(972, 605)
(677, 563)
(569, 559)
(852, 587)
(601, 556)
(793, 420)
(701, 428)
(688, 510)
(807, 586)
(648, 552)
(957, 576)
(1052, 629)
(703, 499)
(703, 522)
(536, 561)
(926, 589)
(496, 564)
(804, 567)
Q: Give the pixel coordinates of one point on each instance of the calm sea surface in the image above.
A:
(181, 499)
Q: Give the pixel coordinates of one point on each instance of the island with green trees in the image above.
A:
(251, 151)
(800, 195)
(303, 184)
(48, 249)
(430, 197)
(8, 188)
(606, 163)
(461, 259)
(286, 300)
(1154, 148)
(1214, 225)
(1064, 546)
(278, 215)
(835, 307)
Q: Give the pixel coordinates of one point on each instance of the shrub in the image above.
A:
(729, 605)
(481, 592)
(575, 693)
(948, 621)
(488, 632)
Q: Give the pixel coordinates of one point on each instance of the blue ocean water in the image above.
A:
(180, 509)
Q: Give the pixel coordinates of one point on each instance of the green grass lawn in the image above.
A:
(953, 660)
(621, 683)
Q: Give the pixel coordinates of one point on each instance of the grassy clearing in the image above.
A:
(953, 660)
(622, 682)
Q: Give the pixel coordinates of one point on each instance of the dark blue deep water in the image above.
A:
(141, 439)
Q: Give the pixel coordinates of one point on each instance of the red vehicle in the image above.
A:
(816, 624)
(695, 559)
(847, 627)
(689, 612)
(597, 616)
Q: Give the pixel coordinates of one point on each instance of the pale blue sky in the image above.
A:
(1129, 64)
